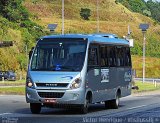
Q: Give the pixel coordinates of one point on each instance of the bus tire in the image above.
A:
(84, 107)
(113, 104)
(35, 108)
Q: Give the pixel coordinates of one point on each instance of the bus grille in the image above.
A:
(52, 84)
(51, 94)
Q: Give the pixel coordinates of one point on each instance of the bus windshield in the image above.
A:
(59, 54)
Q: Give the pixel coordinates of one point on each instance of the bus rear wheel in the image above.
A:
(35, 108)
(113, 104)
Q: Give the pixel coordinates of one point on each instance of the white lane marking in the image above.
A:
(137, 107)
(5, 114)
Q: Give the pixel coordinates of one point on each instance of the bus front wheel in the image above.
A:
(35, 108)
(85, 106)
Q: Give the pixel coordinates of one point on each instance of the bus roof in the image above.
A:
(97, 38)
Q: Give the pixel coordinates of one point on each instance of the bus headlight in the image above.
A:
(29, 83)
(76, 83)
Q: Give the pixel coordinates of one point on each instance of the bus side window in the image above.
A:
(104, 56)
(120, 51)
(112, 56)
(128, 57)
(93, 57)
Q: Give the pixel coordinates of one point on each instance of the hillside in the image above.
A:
(114, 18)
(17, 27)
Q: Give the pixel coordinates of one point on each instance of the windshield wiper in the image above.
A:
(42, 69)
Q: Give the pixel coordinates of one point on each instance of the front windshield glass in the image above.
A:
(66, 54)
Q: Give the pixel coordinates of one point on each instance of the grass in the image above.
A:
(111, 16)
(146, 86)
(12, 83)
(152, 66)
(13, 90)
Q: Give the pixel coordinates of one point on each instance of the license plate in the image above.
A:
(50, 101)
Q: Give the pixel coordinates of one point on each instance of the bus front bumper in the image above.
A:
(75, 96)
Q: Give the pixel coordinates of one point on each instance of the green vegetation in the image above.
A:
(114, 18)
(12, 83)
(16, 26)
(145, 87)
(12, 87)
(12, 90)
(152, 66)
(150, 8)
(134, 5)
(34, 16)
(85, 13)
(13, 10)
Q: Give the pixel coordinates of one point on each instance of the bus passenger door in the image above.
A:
(93, 72)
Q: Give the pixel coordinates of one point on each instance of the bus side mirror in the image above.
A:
(135, 88)
(30, 52)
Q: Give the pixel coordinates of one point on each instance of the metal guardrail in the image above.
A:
(147, 79)
(6, 43)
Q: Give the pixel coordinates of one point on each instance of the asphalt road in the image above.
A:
(133, 109)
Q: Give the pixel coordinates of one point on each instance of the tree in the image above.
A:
(148, 8)
(85, 13)
(137, 5)
(147, 13)
(13, 10)
(154, 7)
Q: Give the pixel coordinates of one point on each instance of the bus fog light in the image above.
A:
(75, 96)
